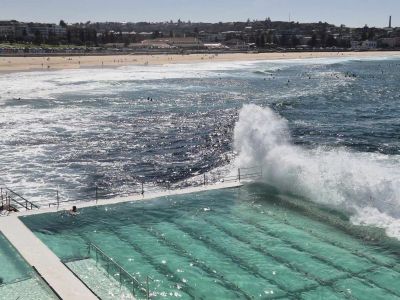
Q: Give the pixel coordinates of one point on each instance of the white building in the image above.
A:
(390, 42)
(364, 45)
(369, 45)
(45, 30)
(7, 30)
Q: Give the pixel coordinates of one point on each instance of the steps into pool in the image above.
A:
(31, 288)
(106, 286)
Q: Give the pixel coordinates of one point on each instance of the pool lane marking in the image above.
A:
(44, 260)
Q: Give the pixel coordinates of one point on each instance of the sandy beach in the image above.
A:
(17, 64)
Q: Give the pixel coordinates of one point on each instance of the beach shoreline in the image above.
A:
(45, 63)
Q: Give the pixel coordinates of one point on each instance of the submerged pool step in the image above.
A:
(324, 232)
(328, 254)
(27, 289)
(330, 238)
(137, 264)
(209, 270)
(243, 278)
(106, 286)
(256, 262)
(357, 288)
(298, 261)
(317, 251)
(177, 288)
(182, 269)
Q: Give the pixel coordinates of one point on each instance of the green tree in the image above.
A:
(63, 24)
(262, 40)
(331, 41)
(38, 39)
(295, 41)
(371, 33)
(156, 34)
(364, 34)
(313, 42)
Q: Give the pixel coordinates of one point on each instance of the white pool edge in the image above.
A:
(131, 198)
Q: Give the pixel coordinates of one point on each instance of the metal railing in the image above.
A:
(243, 174)
(121, 272)
(11, 200)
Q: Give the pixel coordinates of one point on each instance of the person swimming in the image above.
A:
(73, 211)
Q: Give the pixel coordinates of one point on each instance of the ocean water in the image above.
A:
(326, 130)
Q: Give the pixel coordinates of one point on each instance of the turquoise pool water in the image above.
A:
(17, 278)
(244, 243)
(13, 267)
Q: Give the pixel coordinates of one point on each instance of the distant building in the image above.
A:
(145, 34)
(207, 37)
(236, 44)
(390, 42)
(128, 33)
(227, 35)
(7, 29)
(21, 31)
(369, 45)
(174, 42)
(154, 44)
(185, 42)
(215, 46)
(46, 30)
(364, 45)
(304, 40)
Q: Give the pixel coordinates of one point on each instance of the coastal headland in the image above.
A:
(37, 63)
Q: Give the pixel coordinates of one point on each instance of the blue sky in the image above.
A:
(348, 12)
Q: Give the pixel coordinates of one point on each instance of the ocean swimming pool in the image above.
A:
(241, 243)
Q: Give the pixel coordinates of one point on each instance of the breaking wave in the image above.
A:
(364, 185)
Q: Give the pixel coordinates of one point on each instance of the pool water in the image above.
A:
(17, 279)
(13, 267)
(243, 243)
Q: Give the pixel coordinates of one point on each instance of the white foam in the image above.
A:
(47, 84)
(342, 179)
(32, 85)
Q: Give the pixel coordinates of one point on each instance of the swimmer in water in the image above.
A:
(74, 210)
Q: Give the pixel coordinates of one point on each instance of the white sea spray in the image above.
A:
(367, 185)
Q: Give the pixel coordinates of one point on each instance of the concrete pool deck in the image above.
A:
(44, 260)
(63, 281)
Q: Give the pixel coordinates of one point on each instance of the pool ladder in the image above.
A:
(10, 200)
(121, 271)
